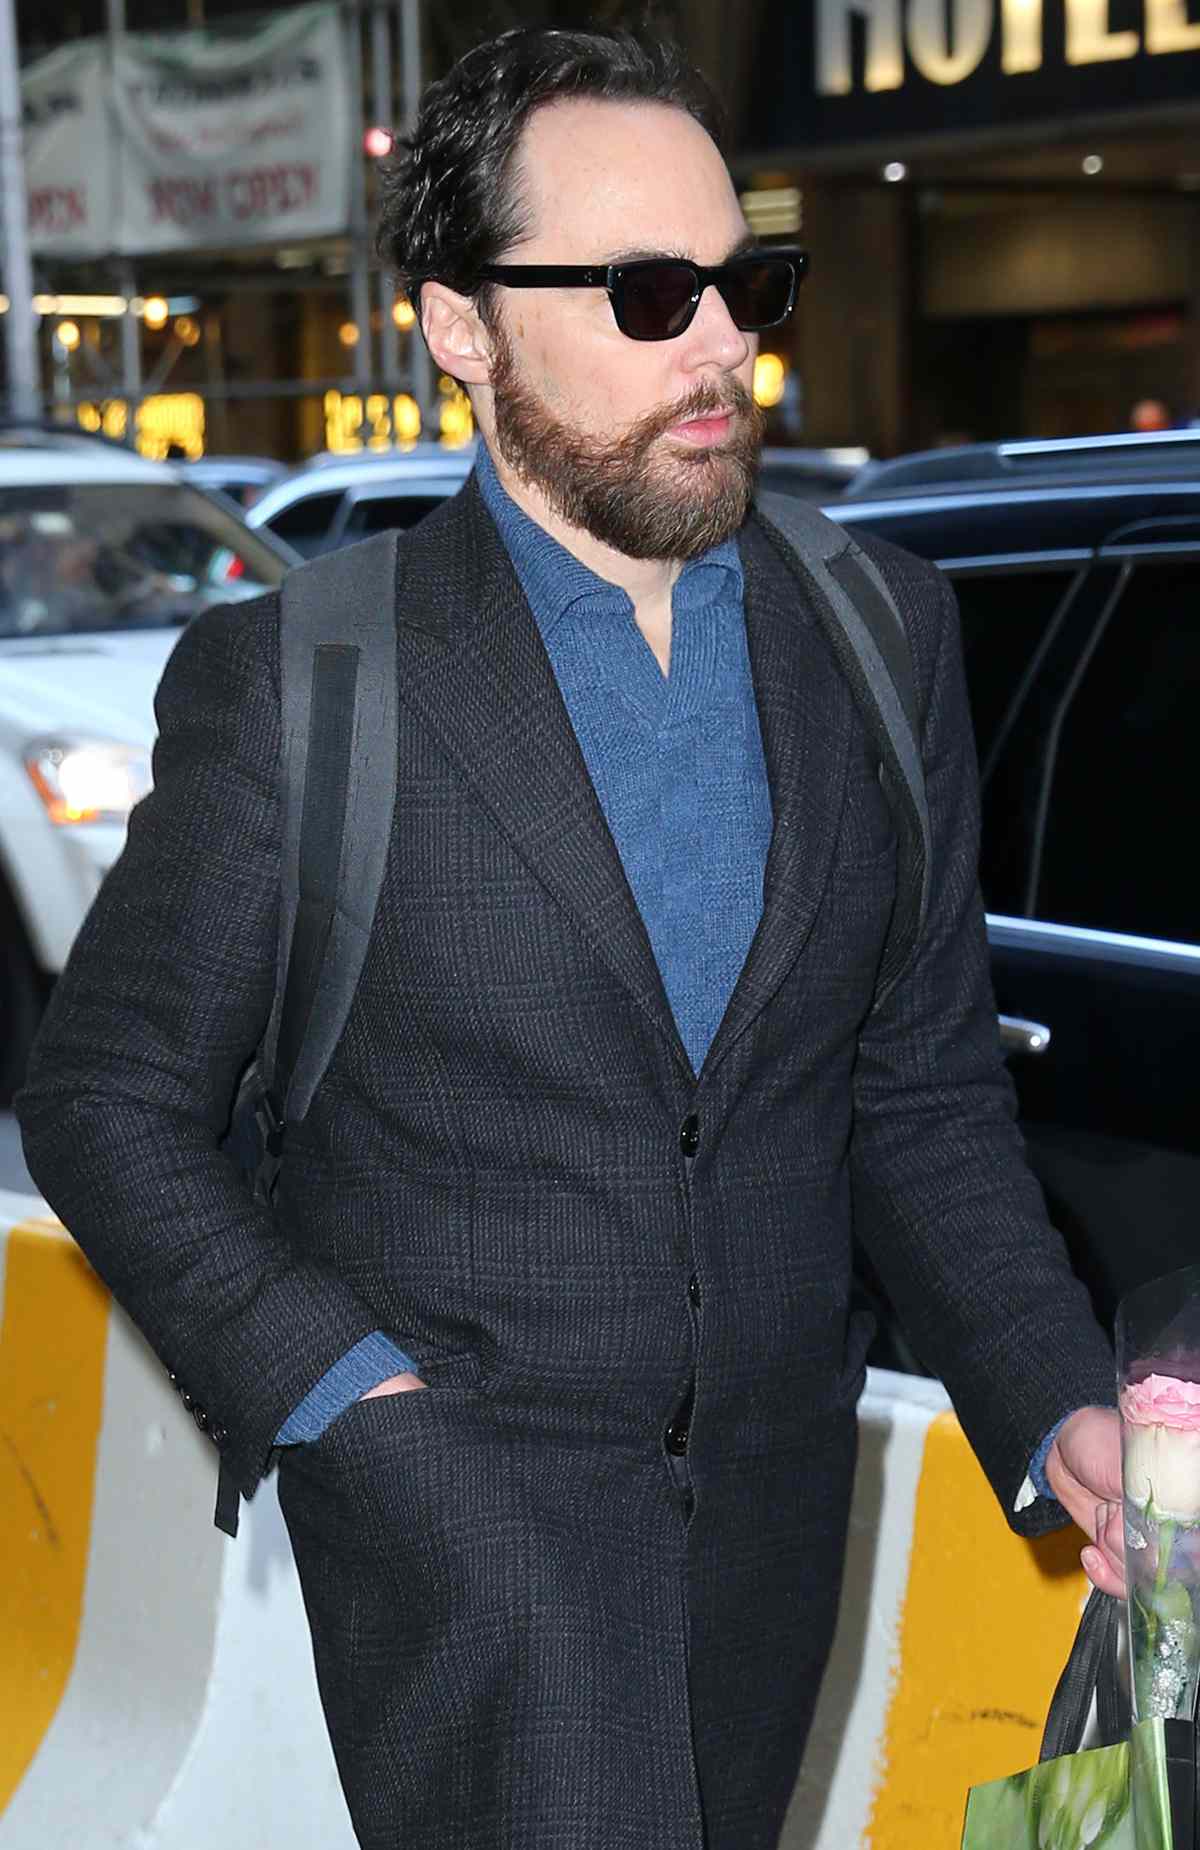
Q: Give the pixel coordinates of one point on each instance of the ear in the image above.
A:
(455, 334)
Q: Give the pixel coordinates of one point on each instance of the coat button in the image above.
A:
(689, 1135)
(218, 1433)
(189, 1400)
(200, 1415)
(693, 1289)
(676, 1438)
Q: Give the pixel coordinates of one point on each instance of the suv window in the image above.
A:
(1123, 801)
(1005, 615)
(121, 555)
(376, 513)
(306, 524)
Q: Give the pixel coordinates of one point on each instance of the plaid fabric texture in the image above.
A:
(530, 1631)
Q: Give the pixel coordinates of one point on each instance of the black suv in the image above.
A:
(1077, 569)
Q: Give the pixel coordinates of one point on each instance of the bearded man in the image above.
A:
(550, 1324)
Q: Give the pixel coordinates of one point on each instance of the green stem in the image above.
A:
(1149, 1607)
(1166, 1542)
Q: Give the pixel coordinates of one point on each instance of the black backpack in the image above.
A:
(340, 699)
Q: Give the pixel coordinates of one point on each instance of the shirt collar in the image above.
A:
(554, 580)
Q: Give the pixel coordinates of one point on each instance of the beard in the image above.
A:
(646, 505)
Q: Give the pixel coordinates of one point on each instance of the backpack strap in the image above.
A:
(339, 699)
(868, 637)
(338, 762)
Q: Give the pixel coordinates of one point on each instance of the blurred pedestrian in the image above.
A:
(551, 1328)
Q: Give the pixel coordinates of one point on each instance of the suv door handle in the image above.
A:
(1020, 1036)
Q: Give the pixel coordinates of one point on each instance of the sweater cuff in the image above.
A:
(1035, 1484)
(371, 1361)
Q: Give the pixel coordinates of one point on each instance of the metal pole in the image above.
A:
(20, 336)
(411, 80)
(360, 277)
(131, 333)
(383, 111)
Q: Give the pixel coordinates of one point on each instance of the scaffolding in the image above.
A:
(387, 391)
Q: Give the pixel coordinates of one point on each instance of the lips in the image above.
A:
(702, 431)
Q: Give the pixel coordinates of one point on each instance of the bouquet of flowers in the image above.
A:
(1160, 1416)
(1158, 1343)
(1137, 1789)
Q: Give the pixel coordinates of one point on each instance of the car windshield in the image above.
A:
(82, 557)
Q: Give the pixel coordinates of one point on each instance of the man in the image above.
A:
(551, 1323)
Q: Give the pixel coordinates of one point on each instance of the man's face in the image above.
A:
(651, 446)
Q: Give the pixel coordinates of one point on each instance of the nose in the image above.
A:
(713, 336)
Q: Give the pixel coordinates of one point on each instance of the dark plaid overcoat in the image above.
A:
(531, 1632)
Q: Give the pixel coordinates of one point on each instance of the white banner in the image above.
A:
(192, 140)
(68, 152)
(234, 138)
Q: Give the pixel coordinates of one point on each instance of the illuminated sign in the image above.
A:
(947, 43)
(842, 71)
(379, 422)
(166, 424)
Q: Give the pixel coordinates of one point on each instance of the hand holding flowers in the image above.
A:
(1083, 1470)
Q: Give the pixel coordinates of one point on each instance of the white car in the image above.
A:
(334, 500)
(103, 557)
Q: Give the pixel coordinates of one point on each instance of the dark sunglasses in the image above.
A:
(656, 298)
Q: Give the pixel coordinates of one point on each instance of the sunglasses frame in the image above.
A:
(611, 276)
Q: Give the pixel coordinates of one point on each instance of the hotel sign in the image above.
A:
(837, 71)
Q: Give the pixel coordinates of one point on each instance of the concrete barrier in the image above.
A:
(156, 1684)
(951, 1637)
(156, 1687)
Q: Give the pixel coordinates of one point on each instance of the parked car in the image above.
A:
(334, 500)
(1077, 569)
(813, 475)
(242, 478)
(102, 557)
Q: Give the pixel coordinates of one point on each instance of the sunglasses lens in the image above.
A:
(758, 293)
(655, 301)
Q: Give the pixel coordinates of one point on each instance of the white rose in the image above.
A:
(1162, 1467)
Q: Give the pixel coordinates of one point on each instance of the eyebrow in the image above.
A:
(643, 254)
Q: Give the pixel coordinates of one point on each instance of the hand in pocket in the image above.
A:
(406, 1383)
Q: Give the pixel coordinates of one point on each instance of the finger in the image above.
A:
(1102, 1573)
(1112, 1535)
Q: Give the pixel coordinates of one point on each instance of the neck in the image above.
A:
(645, 581)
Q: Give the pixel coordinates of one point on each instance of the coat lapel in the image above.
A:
(474, 668)
(805, 710)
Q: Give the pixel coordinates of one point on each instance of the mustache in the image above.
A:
(705, 400)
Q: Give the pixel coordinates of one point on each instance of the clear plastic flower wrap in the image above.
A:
(1158, 1359)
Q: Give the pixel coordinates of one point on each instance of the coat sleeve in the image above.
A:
(944, 1201)
(163, 1000)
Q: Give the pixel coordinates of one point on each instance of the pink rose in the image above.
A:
(1162, 1400)
(1161, 1449)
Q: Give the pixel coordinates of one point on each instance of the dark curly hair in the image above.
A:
(448, 204)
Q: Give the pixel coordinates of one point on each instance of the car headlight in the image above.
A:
(88, 780)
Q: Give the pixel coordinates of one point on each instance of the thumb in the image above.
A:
(1089, 1449)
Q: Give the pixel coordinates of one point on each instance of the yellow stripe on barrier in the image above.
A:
(986, 1627)
(51, 1401)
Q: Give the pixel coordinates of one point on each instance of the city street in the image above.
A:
(613, 589)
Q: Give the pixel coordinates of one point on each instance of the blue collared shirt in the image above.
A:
(676, 760)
